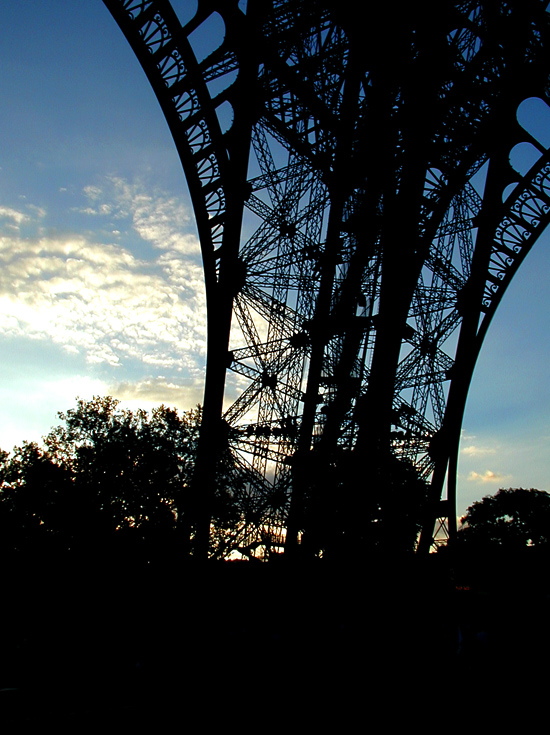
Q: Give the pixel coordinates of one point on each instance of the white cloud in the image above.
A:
(154, 391)
(474, 451)
(487, 476)
(158, 218)
(93, 192)
(101, 300)
(38, 212)
(131, 311)
(14, 217)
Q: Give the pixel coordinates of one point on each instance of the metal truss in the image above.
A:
(350, 181)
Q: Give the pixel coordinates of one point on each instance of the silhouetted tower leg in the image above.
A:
(359, 223)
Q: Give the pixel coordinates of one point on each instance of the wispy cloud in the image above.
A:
(12, 218)
(159, 390)
(474, 451)
(487, 476)
(158, 218)
(102, 300)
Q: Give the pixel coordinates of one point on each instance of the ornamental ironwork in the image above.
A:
(359, 222)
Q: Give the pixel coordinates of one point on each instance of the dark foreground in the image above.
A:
(122, 644)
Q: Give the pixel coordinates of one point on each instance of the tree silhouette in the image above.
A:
(137, 466)
(511, 520)
(353, 510)
(105, 475)
(33, 507)
(111, 478)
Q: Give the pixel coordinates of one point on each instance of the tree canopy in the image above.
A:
(107, 478)
(105, 474)
(353, 510)
(512, 519)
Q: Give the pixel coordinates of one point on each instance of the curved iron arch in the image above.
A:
(512, 227)
(366, 264)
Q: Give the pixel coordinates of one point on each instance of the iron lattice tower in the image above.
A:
(359, 222)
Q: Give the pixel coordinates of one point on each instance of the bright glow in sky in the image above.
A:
(101, 286)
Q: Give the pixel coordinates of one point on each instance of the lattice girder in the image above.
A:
(374, 258)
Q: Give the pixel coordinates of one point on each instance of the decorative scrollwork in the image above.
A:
(208, 170)
(172, 68)
(186, 104)
(198, 136)
(136, 7)
(530, 208)
(155, 33)
(512, 234)
(215, 203)
(541, 182)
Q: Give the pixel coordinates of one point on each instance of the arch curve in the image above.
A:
(352, 310)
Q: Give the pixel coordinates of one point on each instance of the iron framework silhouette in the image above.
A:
(359, 222)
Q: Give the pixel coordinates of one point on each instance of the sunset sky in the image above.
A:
(101, 288)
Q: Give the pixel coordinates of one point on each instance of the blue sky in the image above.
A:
(101, 278)
(100, 274)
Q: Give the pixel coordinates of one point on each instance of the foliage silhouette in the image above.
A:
(353, 510)
(110, 479)
(106, 476)
(511, 520)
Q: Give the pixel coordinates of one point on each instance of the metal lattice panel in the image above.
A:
(356, 238)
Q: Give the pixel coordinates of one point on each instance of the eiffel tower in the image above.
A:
(359, 219)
